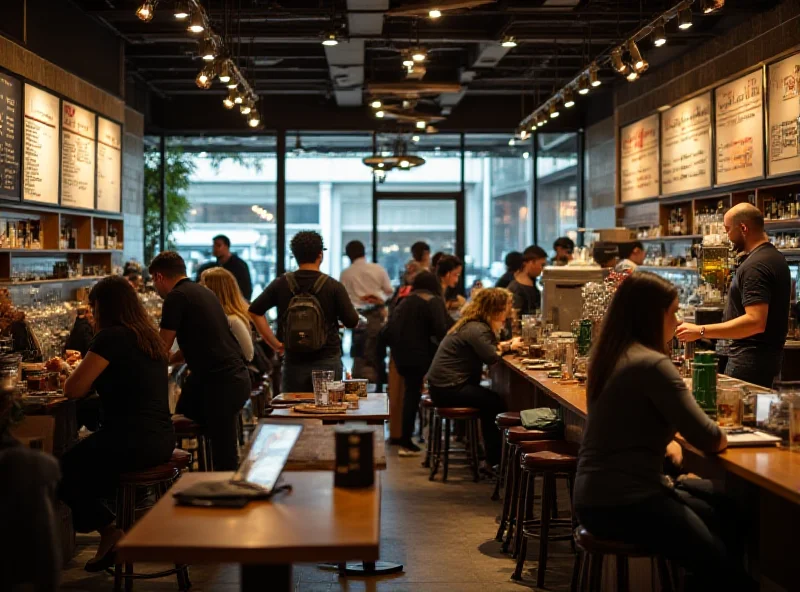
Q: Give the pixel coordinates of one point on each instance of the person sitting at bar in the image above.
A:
(527, 298)
(564, 248)
(605, 254)
(455, 373)
(219, 382)
(513, 263)
(223, 283)
(637, 402)
(632, 255)
(333, 303)
(127, 365)
(415, 328)
(448, 269)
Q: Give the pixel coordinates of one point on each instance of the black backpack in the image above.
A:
(304, 327)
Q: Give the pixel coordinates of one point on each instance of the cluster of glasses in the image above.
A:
(786, 241)
(152, 304)
(50, 320)
(327, 390)
(596, 300)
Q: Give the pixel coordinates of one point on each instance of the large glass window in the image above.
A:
(557, 187)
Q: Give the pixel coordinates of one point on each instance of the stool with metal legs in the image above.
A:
(504, 421)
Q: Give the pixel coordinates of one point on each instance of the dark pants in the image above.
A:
(296, 376)
(413, 377)
(690, 525)
(487, 402)
(756, 367)
(215, 404)
(367, 360)
(90, 472)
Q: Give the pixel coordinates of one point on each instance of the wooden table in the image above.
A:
(315, 450)
(374, 409)
(311, 523)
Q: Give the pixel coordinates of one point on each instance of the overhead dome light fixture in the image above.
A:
(254, 119)
(639, 63)
(594, 80)
(553, 110)
(569, 100)
(196, 24)
(659, 35)
(617, 62)
(434, 13)
(685, 19)
(208, 49)
(229, 101)
(330, 39)
(376, 104)
(509, 41)
(204, 78)
(181, 11)
(709, 6)
(145, 11)
(421, 124)
(419, 55)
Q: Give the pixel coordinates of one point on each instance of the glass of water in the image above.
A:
(320, 380)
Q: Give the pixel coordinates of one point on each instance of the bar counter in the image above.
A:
(764, 481)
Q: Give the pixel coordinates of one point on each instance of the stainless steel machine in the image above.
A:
(562, 301)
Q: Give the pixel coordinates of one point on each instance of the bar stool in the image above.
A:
(158, 479)
(548, 459)
(426, 412)
(588, 571)
(190, 436)
(515, 436)
(470, 416)
(503, 421)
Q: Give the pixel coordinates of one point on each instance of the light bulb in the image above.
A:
(238, 98)
(553, 111)
(196, 24)
(569, 101)
(434, 13)
(632, 76)
(659, 35)
(523, 134)
(181, 11)
(709, 6)
(254, 118)
(330, 39)
(379, 114)
(145, 11)
(509, 41)
(208, 50)
(408, 63)
(415, 138)
(228, 102)
(593, 78)
(421, 124)
(404, 164)
(685, 19)
(526, 155)
(225, 73)
(419, 55)
(617, 62)
(583, 85)
(376, 104)
(204, 78)
(639, 63)
(245, 108)
(512, 142)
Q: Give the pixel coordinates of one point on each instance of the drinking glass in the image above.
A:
(729, 406)
(320, 380)
(335, 392)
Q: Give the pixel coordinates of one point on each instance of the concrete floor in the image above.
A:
(442, 533)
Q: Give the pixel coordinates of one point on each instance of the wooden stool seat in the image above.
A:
(518, 434)
(555, 455)
(164, 472)
(592, 544)
(180, 459)
(425, 401)
(191, 436)
(508, 419)
(458, 412)
(184, 425)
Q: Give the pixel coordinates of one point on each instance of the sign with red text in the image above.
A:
(77, 156)
(783, 110)
(686, 146)
(109, 165)
(639, 169)
(41, 150)
(740, 129)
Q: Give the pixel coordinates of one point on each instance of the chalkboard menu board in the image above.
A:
(41, 150)
(109, 165)
(77, 156)
(686, 146)
(639, 170)
(740, 129)
(783, 109)
(10, 135)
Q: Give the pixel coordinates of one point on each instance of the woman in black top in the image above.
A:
(414, 331)
(127, 366)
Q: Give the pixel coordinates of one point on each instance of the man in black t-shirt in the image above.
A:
(334, 301)
(232, 262)
(757, 312)
(527, 298)
(219, 383)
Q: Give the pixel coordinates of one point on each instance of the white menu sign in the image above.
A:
(783, 111)
(77, 156)
(639, 171)
(740, 129)
(40, 170)
(686, 146)
(109, 154)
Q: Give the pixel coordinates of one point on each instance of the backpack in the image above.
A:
(304, 328)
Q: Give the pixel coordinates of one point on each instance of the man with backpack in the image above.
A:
(310, 307)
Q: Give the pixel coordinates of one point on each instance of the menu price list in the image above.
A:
(740, 129)
(783, 79)
(41, 164)
(686, 146)
(10, 135)
(639, 174)
(109, 163)
(77, 156)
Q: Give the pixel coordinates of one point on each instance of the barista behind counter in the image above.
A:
(757, 311)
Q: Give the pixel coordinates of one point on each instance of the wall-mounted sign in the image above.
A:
(41, 166)
(639, 170)
(77, 156)
(740, 129)
(783, 109)
(10, 135)
(686, 146)
(109, 165)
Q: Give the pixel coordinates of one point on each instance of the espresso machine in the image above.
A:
(562, 297)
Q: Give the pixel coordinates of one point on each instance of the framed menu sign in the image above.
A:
(783, 109)
(686, 146)
(77, 156)
(40, 167)
(10, 135)
(639, 171)
(740, 129)
(109, 165)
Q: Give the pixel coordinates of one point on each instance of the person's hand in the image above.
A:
(371, 299)
(675, 453)
(279, 348)
(688, 332)
(516, 344)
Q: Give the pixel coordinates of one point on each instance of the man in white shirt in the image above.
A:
(632, 255)
(369, 286)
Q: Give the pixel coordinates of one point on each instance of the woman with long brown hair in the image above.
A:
(127, 365)
(223, 283)
(637, 403)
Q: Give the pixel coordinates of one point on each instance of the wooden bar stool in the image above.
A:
(588, 572)
(190, 436)
(158, 479)
(548, 460)
(426, 413)
(470, 416)
(515, 436)
(504, 420)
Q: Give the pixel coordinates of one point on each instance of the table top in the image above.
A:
(315, 450)
(375, 407)
(775, 469)
(313, 522)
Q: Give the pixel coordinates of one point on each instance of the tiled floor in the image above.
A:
(442, 533)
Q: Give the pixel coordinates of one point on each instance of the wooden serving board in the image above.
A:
(314, 410)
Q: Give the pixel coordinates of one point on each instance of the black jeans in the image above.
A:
(487, 402)
(296, 376)
(367, 360)
(761, 368)
(691, 525)
(413, 377)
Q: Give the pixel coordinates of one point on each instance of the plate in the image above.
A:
(313, 409)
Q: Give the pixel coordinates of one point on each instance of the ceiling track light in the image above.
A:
(523, 135)
(419, 55)
(583, 85)
(376, 104)
(254, 119)
(685, 19)
(632, 76)
(617, 62)
(196, 23)
(594, 78)
(238, 98)
(224, 73)
(553, 110)
(379, 114)
(421, 124)
(659, 35)
(181, 11)
(509, 41)
(434, 13)
(709, 6)
(330, 39)
(205, 78)
(229, 101)
(208, 49)
(246, 107)
(637, 61)
(145, 11)
(569, 100)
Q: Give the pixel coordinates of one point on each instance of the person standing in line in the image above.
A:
(632, 255)
(223, 284)
(756, 315)
(219, 382)
(232, 262)
(564, 248)
(311, 342)
(368, 286)
(448, 270)
(421, 253)
(527, 298)
(513, 264)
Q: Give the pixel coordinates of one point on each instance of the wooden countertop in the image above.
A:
(313, 522)
(315, 450)
(774, 469)
(375, 407)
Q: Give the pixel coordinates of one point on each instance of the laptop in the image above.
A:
(258, 472)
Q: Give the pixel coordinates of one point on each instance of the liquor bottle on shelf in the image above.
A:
(773, 210)
(681, 223)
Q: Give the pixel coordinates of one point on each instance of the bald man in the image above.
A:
(757, 312)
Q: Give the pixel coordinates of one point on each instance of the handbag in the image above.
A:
(543, 419)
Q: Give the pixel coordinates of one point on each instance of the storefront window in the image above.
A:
(557, 187)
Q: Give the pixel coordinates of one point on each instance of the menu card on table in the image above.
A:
(686, 146)
(109, 163)
(639, 171)
(77, 156)
(783, 111)
(740, 129)
(10, 135)
(41, 166)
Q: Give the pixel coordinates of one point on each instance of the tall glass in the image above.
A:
(729, 406)
(320, 380)
(789, 393)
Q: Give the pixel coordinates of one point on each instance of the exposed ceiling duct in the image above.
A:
(489, 55)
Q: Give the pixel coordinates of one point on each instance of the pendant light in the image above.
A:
(246, 107)
(205, 78)
(145, 11)
(208, 50)
(509, 41)
(330, 39)
(224, 73)
(569, 100)
(376, 104)
(553, 110)
(685, 19)
(583, 85)
(254, 119)
(228, 102)
(419, 55)
(181, 11)
(659, 35)
(594, 79)
(196, 24)
(638, 62)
